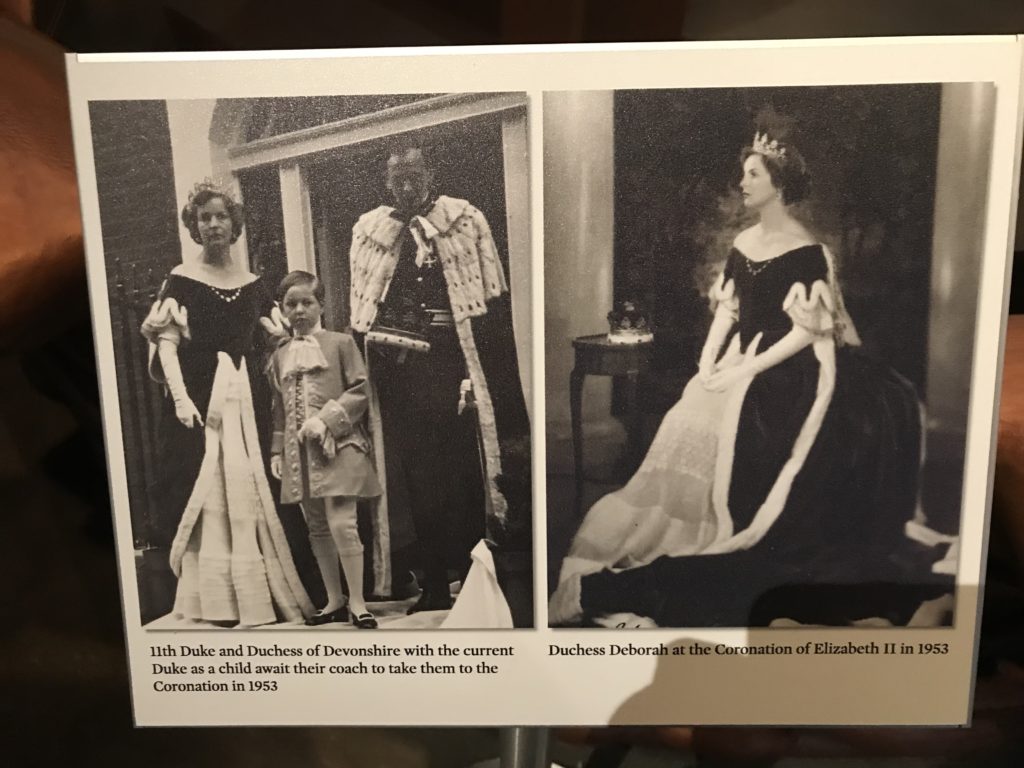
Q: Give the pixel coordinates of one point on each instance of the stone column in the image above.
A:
(578, 244)
(961, 184)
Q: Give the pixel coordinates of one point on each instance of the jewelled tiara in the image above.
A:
(771, 149)
(208, 185)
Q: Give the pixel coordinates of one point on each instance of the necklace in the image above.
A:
(226, 294)
(756, 267)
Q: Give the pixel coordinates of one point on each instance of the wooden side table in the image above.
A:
(596, 356)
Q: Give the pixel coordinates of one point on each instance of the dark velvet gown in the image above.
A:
(836, 552)
(218, 320)
(212, 499)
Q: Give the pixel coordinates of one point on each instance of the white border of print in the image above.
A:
(533, 687)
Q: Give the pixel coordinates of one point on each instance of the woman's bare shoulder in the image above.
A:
(747, 240)
(799, 234)
(218, 278)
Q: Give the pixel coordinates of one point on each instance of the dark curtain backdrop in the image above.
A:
(871, 151)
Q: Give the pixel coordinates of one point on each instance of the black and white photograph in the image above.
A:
(759, 334)
(320, 317)
(702, 340)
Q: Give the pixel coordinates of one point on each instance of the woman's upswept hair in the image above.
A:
(783, 161)
(201, 194)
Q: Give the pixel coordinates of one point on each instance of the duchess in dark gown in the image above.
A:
(793, 458)
(213, 504)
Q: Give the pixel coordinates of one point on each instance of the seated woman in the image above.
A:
(780, 484)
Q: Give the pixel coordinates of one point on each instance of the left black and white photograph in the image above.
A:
(320, 309)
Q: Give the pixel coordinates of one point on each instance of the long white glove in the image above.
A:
(184, 409)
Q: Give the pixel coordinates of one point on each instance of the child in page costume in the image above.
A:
(320, 446)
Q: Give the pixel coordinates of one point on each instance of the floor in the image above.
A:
(390, 615)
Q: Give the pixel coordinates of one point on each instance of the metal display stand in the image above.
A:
(523, 747)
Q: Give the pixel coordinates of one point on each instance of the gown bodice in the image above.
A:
(219, 320)
(762, 288)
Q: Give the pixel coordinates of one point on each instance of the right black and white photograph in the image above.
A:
(760, 309)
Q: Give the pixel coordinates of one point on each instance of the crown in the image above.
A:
(627, 315)
(629, 324)
(771, 149)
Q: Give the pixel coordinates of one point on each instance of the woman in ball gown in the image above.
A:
(779, 486)
(213, 503)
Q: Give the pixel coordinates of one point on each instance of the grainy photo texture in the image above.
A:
(758, 345)
(320, 316)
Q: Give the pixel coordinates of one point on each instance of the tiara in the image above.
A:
(771, 149)
(208, 185)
